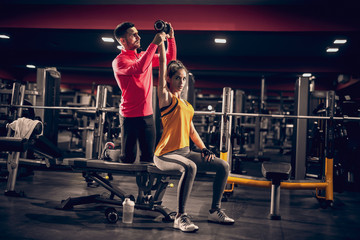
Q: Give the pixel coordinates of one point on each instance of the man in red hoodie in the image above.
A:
(134, 75)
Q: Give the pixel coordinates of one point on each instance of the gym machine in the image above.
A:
(252, 137)
(48, 85)
(325, 184)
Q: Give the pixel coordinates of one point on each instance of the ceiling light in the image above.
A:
(120, 47)
(4, 36)
(340, 41)
(30, 66)
(220, 40)
(332, 49)
(108, 39)
(306, 75)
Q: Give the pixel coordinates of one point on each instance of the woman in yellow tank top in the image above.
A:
(173, 152)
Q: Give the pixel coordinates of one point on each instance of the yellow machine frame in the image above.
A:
(326, 184)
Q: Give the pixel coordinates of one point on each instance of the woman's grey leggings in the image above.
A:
(188, 163)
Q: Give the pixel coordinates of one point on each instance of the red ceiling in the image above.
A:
(185, 17)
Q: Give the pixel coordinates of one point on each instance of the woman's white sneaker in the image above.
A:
(184, 223)
(219, 216)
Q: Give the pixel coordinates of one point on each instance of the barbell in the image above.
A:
(211, 113)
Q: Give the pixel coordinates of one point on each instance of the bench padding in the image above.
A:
(13, 144)
(276, 171)
(105, 166)
(154, 169)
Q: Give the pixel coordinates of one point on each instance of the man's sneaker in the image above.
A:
(184, 224)
(219, 216)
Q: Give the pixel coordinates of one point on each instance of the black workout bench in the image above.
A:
(151, 182)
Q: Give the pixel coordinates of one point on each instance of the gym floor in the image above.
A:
(35, 216)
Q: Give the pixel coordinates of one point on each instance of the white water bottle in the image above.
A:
(128, 211)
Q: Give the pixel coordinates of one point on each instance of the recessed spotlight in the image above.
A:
(332, 49)
(306, 74)
(120, 47)
(108, 39)
(4, 36)
(340, 41)
(220, 40)
(30, 66)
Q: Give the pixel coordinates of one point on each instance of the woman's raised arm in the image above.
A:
(163, 92)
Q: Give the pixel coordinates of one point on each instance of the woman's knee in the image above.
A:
(190, 167)
(222, 165)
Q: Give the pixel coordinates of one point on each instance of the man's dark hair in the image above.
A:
(121, 29)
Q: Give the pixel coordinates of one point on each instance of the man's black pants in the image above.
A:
(135, 129)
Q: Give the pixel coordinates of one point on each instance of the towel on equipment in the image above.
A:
(24, 127)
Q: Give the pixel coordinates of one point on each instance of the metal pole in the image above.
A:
(229, 156)
(15, 100)
(13, 158)
(262, 96)
(22, 97)
(260, 123)
(12, 166)
(329, 145)
(300, 135)
(257, 139)
(239, 107)
(275, 202)
(224, 127)
(210, 113)
(100, 103)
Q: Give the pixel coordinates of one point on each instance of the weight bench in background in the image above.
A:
(15, 146)
(276, 172)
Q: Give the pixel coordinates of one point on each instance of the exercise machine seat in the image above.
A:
(106, 166)
(276, 171)
(153, 169)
